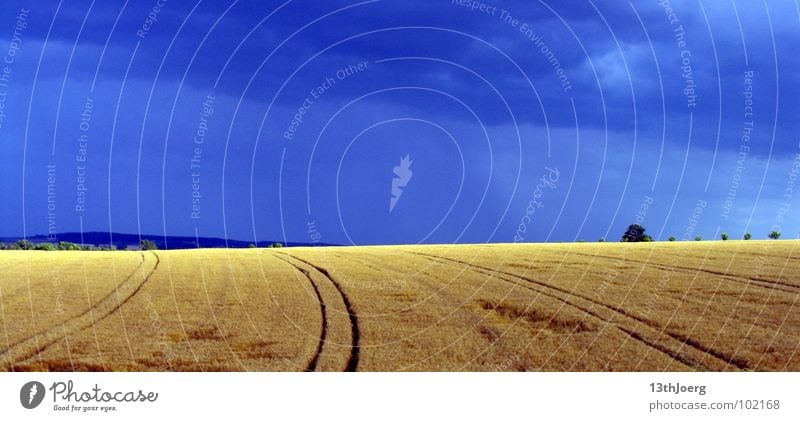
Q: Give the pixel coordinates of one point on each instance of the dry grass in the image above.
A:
(659, 306)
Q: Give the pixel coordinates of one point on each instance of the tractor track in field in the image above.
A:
(769, 255)
(36, 344)
(688, 361)
(675, 355)
(23, 289)
(88, 309)
(355, 333)
(479, 323)
(761, 282)
(314, 361)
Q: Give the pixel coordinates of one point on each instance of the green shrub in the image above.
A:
(66, 245)
(23, 245)
(634, 234)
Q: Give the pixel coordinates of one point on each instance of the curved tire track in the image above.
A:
(101, 310)
(729, 359)
(88, 309)
(676, 355)
(312, 364)
(761, 282)
(355, 333)
(24, 288)
(480, 323)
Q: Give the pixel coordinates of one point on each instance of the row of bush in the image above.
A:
(65, 245)
(636, 234)
(271, 246)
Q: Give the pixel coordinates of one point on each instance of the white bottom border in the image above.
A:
(405, 396)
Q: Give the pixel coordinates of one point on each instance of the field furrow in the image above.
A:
(721, 306)
(588, 305)
(355, 334)
(25, 351)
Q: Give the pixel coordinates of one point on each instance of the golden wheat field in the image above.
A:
(682, 306)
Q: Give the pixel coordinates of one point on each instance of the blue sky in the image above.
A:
(633, 112)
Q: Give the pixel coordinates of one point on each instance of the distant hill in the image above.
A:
(123, 241)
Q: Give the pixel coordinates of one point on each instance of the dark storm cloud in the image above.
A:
(601, 47)
(618, 64)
